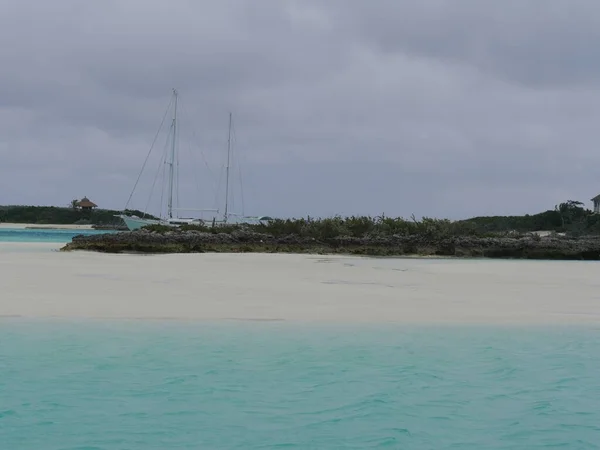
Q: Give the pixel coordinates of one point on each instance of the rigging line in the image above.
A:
(196, 180)
(158, 171)
(241, 191)
(176, 132)
(218, 193)
(233, 155)
(239, 167)
(156, 176)
(228, 167)
(181, 115)
(164, 206)
(162, 191)
(189, 147)
(201, 152)
(214, 185)
(150, 151)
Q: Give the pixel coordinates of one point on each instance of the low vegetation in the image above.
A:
(329, 228)
(569, 217)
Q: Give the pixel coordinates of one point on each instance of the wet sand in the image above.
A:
(38, 282)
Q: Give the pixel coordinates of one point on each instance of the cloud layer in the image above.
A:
(438, 107)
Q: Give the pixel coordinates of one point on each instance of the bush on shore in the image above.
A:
(328, 228)
(568, 217)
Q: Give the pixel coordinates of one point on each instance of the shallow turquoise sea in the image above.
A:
(262, 385)
(39, 235)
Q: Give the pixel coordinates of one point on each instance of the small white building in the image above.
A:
(596, 201)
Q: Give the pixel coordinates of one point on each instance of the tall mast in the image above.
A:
(227, 172)
(172, 158)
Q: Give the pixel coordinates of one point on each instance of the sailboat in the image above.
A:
(134, 222)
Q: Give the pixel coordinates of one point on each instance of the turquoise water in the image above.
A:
(176, 385)
(42, 235)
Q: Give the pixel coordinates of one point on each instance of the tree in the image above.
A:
(74, 203)
(570, 210)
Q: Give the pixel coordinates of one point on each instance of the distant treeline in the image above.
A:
(60, 216)
(569, 217)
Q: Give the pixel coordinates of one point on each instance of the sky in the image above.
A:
(438, 108)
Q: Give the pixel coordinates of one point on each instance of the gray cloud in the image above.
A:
(534, 42)
(441, 108)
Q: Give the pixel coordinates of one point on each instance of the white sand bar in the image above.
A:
(38, 282)
(38, 226)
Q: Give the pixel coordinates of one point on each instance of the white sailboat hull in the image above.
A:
(135, 223)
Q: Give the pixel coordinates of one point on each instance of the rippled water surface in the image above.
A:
(173, 385)
(44, 235)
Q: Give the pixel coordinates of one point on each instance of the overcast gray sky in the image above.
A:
(446, 108)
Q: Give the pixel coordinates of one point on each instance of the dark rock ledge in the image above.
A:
(526, 247)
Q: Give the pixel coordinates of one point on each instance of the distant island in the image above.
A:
(71, 215)
(567, 232)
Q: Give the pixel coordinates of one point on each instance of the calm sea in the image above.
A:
(42, 235)
(243, 385)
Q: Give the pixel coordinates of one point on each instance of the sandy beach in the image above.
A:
(44, 226)
(36, 281)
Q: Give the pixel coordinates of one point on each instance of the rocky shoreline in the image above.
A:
(240, 241)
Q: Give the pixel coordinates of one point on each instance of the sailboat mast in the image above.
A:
(172, 158)
(227, 171)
